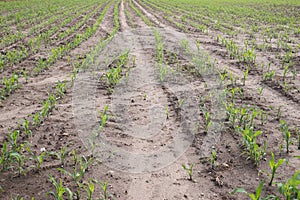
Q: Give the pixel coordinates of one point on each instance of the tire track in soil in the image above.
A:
(133, 117)
(140, 182)
(26, 100)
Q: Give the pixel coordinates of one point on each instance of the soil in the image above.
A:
(149, 135)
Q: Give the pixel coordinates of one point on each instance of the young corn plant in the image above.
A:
(19, 158)
(290, 189)
(213, 158)
(103, 116)
(5, 157)
(26, 129)
(79, 170)
(167, 112)
(60, 89)
(245, 76)
(60, 190)
(207, 119)
(286, 68)
(274, 166)
(253, 150)
(284, 128)
(62, 155)
(257, 195)
(103, 186)
(90, 188)
(39, 159)
(189, 170)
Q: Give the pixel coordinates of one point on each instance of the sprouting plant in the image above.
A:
(213, 158)
(167, 112)
(60, 89)
(63, 155)
(26, 129)
(286, 68)
(279, 113)
(274, 166)
(232, 79)
(294, 72)
(184, 44)
(103, 116)
(260, 90)
(245, 76)
(180, 102)
(223, 75)
(39, 159)
(268, 75)
(60, 190)
(104, 189)
(145, 96)
(207, 119)
(290, 189)
(5, 157)
(25, 75)
(253, 150)
(233, 91)
(189, 170)
(243, 113)
(19, 158)
(90, 190)
(79, 169)
(263, 117)
(257, 195)
(12, 139)
(36, 119)
(284, 128)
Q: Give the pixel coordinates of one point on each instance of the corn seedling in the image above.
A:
(290, 189)
(253, 150)
(245, 76)
(284, 128)
(260, 90)
(5, 157)
(104, 189)
(79, 169)
(274, 166)
(60, 190)
(207, 119)
(19, 158)
(39, 159)
(268, 76)
(213, 158)
(278, 113)
(62, 155)
(189, 170)
(12, 139)
(180, 102)
(60, 89)
(257, 195)
(26, 129)
(90, 190)
(294, 72)
(167, 112)
(36, 119)
(103, 116)
(286, 68)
